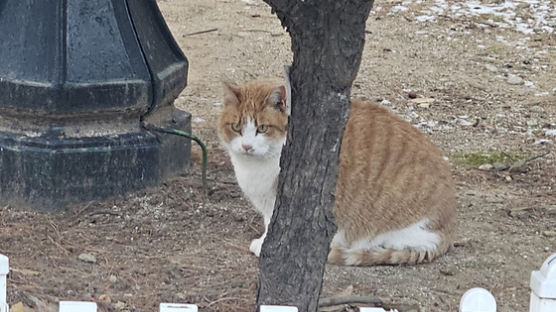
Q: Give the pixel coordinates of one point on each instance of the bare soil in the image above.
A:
(175, 243)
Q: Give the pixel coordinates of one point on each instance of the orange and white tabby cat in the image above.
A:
(395, 199)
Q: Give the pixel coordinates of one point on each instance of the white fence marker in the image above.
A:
(178, 307)
(77, 306)
(4, 270)
(543, 287)
(273, 308)
(477, 300)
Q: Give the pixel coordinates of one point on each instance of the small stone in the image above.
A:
(532, 123)
(550, 132)
(113, 278)
(412, 94)
(549, 233)
(491, 68)
(448, 271)
(120, 306)
(508, 178)
(87, 257)
(551, 211)
(519, 213)
(104, 298)
(385, 103)
(486, 167)
(515, 80)
(535, 109)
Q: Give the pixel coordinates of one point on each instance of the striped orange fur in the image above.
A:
(395, 198)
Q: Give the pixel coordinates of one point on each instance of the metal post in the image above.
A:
(76, 80)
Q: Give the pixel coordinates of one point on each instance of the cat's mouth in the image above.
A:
(248, 153)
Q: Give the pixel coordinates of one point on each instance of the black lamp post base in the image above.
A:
(50, 173)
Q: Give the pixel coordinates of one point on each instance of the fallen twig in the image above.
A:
(368, 301)
(518, 166)
(62, 248)
(224, 299)
(332, 301)
(200, 32)
(245, 250)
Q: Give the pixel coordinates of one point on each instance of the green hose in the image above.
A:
(189, 136)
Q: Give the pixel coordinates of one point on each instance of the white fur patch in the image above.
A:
(256, 171)
(339, 239)
(416, 237)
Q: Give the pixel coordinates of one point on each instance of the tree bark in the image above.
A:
(327, 42)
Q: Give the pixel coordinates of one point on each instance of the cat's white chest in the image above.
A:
(257, 179)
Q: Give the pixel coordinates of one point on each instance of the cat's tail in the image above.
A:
(385, 256)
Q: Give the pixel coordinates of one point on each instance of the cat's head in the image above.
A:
(254, 119)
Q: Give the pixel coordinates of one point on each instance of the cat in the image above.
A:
(395, 198)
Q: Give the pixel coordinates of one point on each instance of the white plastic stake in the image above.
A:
(178, 307)
(77, 306)
(273, 308)
(4, 270)
(477, 300)
(375, 310)
(543, 287)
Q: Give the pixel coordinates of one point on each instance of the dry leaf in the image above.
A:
(25, 271)
(423, 102)
(18, 307)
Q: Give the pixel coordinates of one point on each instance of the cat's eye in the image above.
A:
(262, 128)
(236, 127)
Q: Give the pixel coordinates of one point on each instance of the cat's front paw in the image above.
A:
(256, 245)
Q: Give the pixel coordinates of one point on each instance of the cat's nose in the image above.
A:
(247, 147)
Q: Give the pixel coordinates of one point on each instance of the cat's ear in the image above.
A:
(278, 98)
(231, 94)
(288, 90)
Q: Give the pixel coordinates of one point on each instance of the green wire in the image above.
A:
(189, 136)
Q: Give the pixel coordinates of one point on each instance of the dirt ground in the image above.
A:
(482, 87)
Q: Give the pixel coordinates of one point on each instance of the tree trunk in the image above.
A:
(327, 43)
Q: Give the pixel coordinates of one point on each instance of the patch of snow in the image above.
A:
(506, 14)
(385, 102)
(529, 84)
(425, 18)
(398, 8)
(465, 123)
(542, 141)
